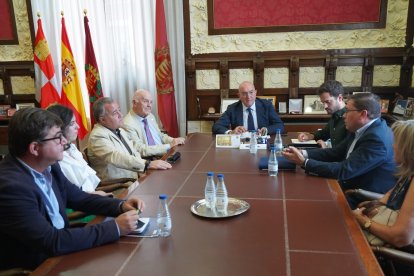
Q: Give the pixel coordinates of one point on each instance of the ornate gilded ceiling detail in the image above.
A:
(386, 75)
(237, 76)
(349, 76)
(208, 79)
(392, 36)
(276, 77)
(23, 51)
(22, 85)
(311, 76)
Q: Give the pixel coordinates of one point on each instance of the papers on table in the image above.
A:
(310, 142)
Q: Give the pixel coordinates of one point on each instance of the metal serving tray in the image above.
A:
(234, 208)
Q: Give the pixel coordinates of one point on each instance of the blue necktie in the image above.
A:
(250, 122)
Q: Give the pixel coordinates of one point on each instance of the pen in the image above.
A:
(139, 211)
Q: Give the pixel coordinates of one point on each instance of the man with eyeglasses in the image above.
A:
(364, 160)
(331, 95)
(248, 114)
(34, 194)
(111, 153)
(142, 128)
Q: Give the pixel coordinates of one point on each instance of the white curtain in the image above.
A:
(123, 34)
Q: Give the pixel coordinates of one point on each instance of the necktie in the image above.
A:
(150, 139)
(250, 122)
(118, 133)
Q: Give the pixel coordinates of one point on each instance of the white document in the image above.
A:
(227, 141)
(310, 142)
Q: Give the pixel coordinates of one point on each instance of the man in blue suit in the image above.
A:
(364, 159)
(248, 114)
(34, 194)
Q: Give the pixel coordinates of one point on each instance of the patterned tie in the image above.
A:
(250, 122)
(150, 139)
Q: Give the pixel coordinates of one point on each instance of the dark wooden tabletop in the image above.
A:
(296, 225)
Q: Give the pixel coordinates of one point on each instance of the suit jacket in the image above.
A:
(370, 166)
(110, 158)
(233, 117)
(27, 235)
(138, 137)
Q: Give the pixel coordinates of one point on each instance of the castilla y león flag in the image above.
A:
(164, 75)
(93, 81)
(71, 90)
(46, 83)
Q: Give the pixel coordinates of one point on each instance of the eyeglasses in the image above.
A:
(57, 137)
(248, 93)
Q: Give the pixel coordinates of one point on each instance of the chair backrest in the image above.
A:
(85, 156)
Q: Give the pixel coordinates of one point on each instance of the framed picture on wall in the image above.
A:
(282, 107)
(24, 105)
(272, 99)
(384, 105)
(295, 106)
(313, 105)
(225, 102)
(409, 110)
(400, 107)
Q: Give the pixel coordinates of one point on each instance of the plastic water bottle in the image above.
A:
(163, 217)
(210, 191)
(278, 143)
(221, 195)
(253, 143)
(272, 165)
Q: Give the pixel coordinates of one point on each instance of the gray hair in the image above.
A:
(98, 108)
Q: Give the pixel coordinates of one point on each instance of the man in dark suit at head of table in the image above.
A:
(248, 114)
(34, 194)
(365, 159)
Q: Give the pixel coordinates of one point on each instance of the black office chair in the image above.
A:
(393, 260)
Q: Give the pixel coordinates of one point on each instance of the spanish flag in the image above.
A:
(164, 74)
(46, 83)
(71, 91)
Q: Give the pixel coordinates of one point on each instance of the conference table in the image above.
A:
(296, 224)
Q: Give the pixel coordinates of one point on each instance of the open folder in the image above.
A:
(283, 163)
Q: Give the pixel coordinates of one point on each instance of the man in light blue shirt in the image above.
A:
(34, 194)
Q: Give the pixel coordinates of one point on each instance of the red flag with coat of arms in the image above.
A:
(46, 83)
(164, 75)
(93, 80)
(71, 90)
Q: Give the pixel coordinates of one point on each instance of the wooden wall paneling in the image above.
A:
(258, 72)
(293, 77)
(224, 74)
(367, 73)
(406, 74)
(331, 63)
(192, 102)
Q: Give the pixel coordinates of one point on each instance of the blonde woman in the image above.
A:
(401, 197)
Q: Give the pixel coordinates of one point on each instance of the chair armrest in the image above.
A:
(116, 180)
(368, 195)
(112, 187)
(394, 254)
(76, 215)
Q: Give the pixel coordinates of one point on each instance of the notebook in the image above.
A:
(284, 164)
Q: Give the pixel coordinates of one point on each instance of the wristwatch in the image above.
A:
(367, 224)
